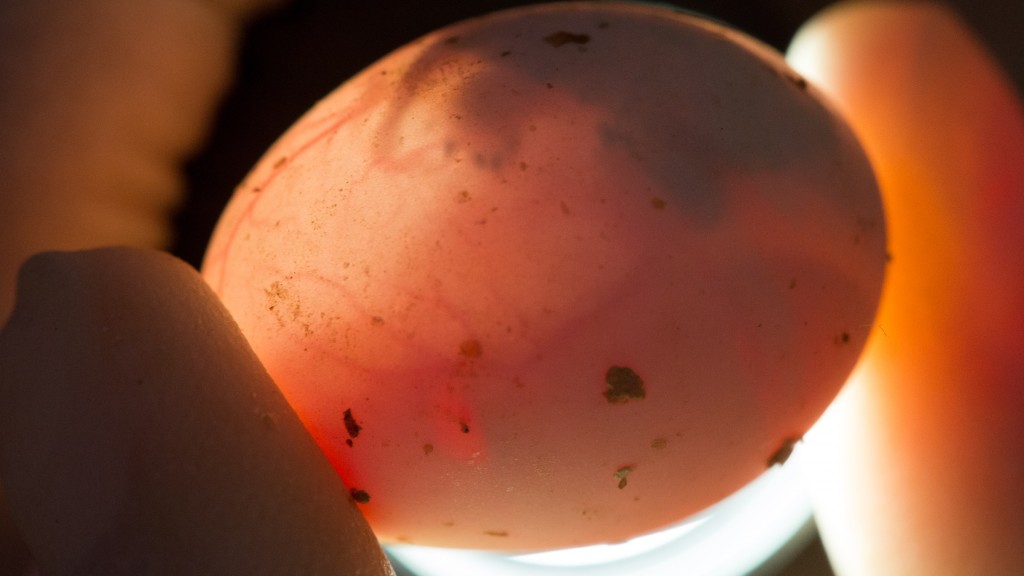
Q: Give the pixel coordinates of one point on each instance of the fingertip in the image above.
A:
(141, 435)
(917, 468)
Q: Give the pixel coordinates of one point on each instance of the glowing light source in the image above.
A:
(751, 532)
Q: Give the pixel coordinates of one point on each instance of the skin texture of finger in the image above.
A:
(140, 435)
(102, 102)
(13, 550)
(918, 468)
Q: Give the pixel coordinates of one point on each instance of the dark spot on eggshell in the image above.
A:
(497, 533)
(561, 38)
(623, 385)
(360, 496)
(797, 80)
(464, 426)
(351, 426)
(785, 450)
(658, 203)
(471, 349)
(622, 473)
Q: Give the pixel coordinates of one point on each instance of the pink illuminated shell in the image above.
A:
(557, 276)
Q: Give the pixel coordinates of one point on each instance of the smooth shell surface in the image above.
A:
(557, 276)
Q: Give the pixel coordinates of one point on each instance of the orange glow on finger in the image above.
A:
(917, 468)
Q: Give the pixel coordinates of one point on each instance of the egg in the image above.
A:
(559, 275)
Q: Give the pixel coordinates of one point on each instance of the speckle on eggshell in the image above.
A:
(471, 349)
(351, 426)
(624, 385)
(562, 38)
(622, 474)
(785, 450)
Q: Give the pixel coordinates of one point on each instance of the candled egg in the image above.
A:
(560, 275)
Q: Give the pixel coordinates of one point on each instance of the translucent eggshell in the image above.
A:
(557, 276)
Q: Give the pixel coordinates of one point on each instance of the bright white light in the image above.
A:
(607, 553)
(751, 532)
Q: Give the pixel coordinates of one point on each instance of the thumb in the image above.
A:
(918, 467)
(140, 435)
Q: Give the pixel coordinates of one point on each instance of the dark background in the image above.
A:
(296, 54)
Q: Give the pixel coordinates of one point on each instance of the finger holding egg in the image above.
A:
(102, 101)
(918, 467)
(140, 434)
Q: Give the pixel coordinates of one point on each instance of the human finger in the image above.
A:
(140, 435)
(918, 468)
